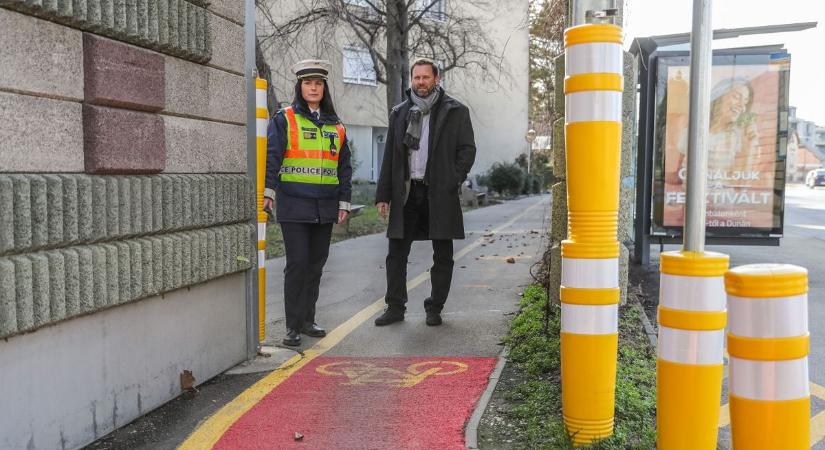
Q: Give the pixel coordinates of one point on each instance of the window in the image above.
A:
(358, 68)
(357, 2)
(435, 12)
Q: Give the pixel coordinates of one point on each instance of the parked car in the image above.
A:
(815, 178)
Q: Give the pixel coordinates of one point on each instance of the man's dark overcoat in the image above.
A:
(451, 154)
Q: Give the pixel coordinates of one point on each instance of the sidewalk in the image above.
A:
(402, 386)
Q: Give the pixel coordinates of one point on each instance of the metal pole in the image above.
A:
(701, 54)
(692, 312)
(251, 168)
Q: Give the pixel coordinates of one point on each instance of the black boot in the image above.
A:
(433, 310)
(391, 315)
(292, 338)
(313, 330)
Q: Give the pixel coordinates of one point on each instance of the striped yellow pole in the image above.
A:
(689, 365)
(590, 257)
(262, 120)
(768, 343)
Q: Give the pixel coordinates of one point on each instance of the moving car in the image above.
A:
(815, 178)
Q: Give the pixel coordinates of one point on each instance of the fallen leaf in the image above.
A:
(511, 260)
(187, 380)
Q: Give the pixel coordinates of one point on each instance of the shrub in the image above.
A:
(505, 178)
(533, 184)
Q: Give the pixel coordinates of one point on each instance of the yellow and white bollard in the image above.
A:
(768, 345)
(590, 256)
(261, 123)
(690, 362)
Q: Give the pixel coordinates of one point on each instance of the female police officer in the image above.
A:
(308, 170)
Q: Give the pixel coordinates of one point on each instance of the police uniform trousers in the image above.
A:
(416, 227)
(307, 249)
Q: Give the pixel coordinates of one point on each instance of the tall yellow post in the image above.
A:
(768, 343)
(590, 257)
(261, 123)
(689, 363)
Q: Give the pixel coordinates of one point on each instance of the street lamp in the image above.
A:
(530, 137)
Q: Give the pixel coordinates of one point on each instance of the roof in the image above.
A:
(651, 43)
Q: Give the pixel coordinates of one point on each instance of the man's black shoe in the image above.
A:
(433, 319)
(313, 330)
(391, 315)
(292, 338)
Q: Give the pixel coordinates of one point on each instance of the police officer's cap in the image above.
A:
(311, 68)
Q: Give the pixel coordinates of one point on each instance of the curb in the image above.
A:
(269, 358)
(649, 330)
(471, 430)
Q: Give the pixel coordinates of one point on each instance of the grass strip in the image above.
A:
(537, 402)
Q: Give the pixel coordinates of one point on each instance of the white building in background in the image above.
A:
(810, 134)
(806, 147)
(498, 103)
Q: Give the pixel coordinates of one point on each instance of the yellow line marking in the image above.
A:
(724, 415)
(206, 435)
(817, 428)
(818, 391)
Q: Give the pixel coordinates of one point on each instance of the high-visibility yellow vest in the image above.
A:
(311, 155)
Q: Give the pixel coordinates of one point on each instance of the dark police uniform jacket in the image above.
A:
(306, 205)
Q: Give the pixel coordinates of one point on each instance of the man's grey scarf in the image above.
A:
(420, 109)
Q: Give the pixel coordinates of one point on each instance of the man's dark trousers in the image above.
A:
(307, 249)
(416, 227)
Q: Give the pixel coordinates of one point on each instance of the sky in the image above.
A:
(807, 48)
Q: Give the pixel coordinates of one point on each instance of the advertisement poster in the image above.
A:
(744, 161)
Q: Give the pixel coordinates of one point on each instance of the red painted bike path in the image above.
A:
(366, 403)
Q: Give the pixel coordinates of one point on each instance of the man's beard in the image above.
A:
(427, 91)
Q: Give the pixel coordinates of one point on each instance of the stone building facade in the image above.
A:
(126, 211)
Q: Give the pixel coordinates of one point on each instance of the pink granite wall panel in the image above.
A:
(117, 74)
(122, 141)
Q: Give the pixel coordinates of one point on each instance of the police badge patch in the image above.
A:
(332, 136)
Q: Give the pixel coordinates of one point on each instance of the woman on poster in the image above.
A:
(733, 135)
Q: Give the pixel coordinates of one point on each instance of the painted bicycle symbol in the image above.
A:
(359, 373)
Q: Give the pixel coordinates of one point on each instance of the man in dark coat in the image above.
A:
(430, 150)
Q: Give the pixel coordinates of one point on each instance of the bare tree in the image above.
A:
(547, 22)
(265, 72)
(391, 30)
